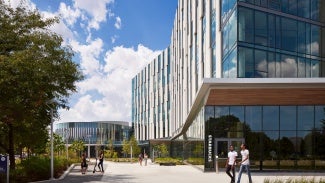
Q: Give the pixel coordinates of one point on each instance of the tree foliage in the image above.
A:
(58, 143)
(35, 68)
(78, 146)
(131, 144)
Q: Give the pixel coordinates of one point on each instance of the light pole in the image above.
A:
(89, 145)
(52, 101)
(131, 154)
(52, 167)
(66, 130)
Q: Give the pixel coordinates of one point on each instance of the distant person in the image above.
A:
(101, 161)
(140, 159)
(145, 156)
(231, 163)
(244, 163)
(83, 163)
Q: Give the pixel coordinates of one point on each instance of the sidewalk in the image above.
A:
(153, 173)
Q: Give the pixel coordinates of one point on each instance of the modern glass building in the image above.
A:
(94, 133)
(246, 71)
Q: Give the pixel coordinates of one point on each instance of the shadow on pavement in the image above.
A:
(75, 176)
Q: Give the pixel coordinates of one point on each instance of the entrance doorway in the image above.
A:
(222, 147)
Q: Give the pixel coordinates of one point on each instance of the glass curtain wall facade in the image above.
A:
(94, 133)
(272, 39)
(151, 100)
(278, 137)
(234, 40)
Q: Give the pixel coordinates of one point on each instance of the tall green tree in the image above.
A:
(35, 68)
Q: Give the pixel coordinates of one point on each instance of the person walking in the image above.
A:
(145, 156)
(101, 161)
(140, 159)
(244, 163)
(231, 162)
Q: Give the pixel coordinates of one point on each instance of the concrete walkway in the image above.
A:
(153, 173)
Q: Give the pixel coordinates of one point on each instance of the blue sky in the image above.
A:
(112, 40)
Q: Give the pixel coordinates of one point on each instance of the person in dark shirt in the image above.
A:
(101, 161)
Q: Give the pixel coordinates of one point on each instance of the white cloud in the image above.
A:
(89, 55)
(15, 3)
(112, 81)
(118, 23)
(97, 10)
(68, 14)
(113, 38)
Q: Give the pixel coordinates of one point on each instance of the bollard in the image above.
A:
(217, 166)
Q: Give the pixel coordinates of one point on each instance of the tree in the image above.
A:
(131, 144)
(35, 68)
(58, 143)
(126, 149)
(111, 148)
(134, 144)
(78, 146)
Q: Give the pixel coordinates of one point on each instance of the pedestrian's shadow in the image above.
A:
(75, 175)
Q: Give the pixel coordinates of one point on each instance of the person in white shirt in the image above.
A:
(244, 164)
(231, 162)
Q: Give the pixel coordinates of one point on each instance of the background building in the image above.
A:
(94, 134)
(242, 72)
(151, 99)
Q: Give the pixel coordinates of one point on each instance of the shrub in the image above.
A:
(169, 160)
(295, 180)
(196, 161)
(39, 168)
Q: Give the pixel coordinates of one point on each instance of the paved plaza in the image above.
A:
(153, 173)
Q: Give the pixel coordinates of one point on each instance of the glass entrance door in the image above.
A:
(222, 148)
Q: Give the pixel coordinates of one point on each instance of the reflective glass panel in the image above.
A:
(209, 112)
(315, 68)
(245, 62)
(232, 35)
(271, 118)
(320, 117)
(272, 135)
(301, 67)
(315, 40)
(304, 8)
(232, 67)
(221, 111)
(308, 39)
(260, 63)
(288, 118)
(301, 37)
(271, 30)
(238, 113)
(245, 25)
(253, 115)
(305, 117)
(289, 34)
(271, 65)
(288, 66)
(315, 6)
(288, 149)
(261, 28)
(292, 4)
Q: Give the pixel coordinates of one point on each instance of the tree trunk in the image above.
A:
(11, 147)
